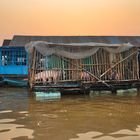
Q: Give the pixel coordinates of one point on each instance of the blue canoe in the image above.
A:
(15, 83)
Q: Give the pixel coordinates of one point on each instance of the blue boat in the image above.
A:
(1, 81)
(13, 66)
(15, 83)
(13, 61)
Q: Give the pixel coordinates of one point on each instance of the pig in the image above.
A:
(114, 76)
(85, 76)
(48, 76)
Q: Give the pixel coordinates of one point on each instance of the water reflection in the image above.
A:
(5, 111)
(9, 130)
(124, 134)
(70, 118)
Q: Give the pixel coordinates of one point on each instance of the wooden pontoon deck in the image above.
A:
(87, 86)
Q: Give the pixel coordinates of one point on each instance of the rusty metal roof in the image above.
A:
(6, 42)
(19, 40)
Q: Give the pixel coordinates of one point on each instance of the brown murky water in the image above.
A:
(100, 117)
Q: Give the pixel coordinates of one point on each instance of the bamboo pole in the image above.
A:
(94, 67)
(101, 61)
(92, 70)
(32, 69)
(105, 60)
(97, 62)
(40, 65)
(138, 66)
(120, 69)
(60, 66)
(69, 70)
(36, 66)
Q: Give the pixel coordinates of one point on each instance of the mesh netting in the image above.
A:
(75, 50)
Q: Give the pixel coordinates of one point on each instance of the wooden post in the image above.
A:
(114, 91)
(32, 68)
(138, 76)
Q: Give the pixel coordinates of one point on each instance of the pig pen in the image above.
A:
(82, 66)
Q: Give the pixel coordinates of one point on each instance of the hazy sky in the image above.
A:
(69, 17)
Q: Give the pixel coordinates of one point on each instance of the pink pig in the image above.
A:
(48, 76)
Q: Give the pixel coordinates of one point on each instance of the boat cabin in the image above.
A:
(13, 62)
(92, 65)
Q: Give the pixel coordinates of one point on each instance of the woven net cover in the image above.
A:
(75, 50)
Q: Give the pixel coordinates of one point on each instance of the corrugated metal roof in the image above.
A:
(19, 40)
(6, 42)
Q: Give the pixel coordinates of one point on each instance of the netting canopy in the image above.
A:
(75, 50)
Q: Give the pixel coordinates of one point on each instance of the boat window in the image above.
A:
(13, 57)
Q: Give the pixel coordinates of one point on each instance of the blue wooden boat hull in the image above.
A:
(15, 83)
(2, 83)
